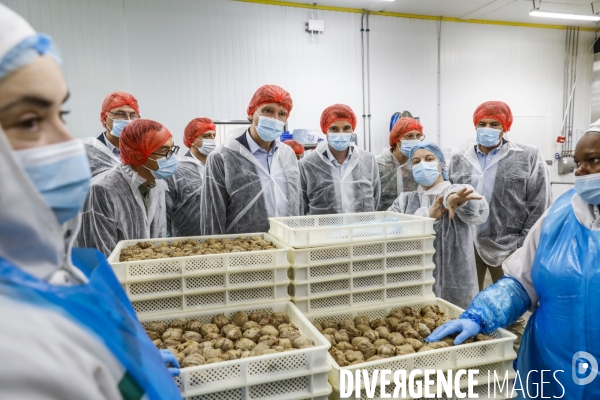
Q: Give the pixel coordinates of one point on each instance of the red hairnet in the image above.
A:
(494, 110)
(270, 94)
(118, 99)
(296, 146)
(335, 113)
(140, 138)
(403, 126)
(197, 127)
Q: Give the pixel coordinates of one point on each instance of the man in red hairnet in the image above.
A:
(337, 177)
(297, 147)
(183, 197)
(514, 180)
(128, 201)
(118, 109)
(254, 176)
(395, 170)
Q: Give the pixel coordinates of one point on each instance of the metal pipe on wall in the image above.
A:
(362, 52)
(439, 81)
(368, 84)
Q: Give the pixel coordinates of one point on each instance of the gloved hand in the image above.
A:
(169, 358)
(465, 327)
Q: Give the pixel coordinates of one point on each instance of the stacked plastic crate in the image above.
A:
(369, 264)
(198, 287)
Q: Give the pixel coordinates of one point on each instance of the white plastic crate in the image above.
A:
(271, 390)
(481, 390)
(204, 281)
(341, 301)
(324, 263)
(498, 350)
(330, 229)
(301, 373)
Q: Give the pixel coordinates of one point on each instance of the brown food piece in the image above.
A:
(380, 342)
(344, 346)
(250, 325)
(376, 323)
(220, 321)
(190, 348)
(153, 335)
(209, 328)
(396, 339)
(252, 334)
(214, 360)
(234, 354)
(144, 245)
(207, 345)
(293, 335)
(170, 343)
(301, 341)
(285, 343)
(212, 336)
(383, 332)
(416, 344)
(318, 326)
(392, 323)
(404, 350)
(239, 318)
(398, 314)
(191, 336)
(426, 309)
(259, 349)
(281, 317)
(371, 335)
(329, 338)
(375, 358)
(245, 344)
(178, 324)
(345, 324)
(431, 315)
(410, 311)
(227, 328)
(173, 334)
(411, 333)
(354, 356)
(353, 333)
(157, 326)
(438, 345)
(274, 322)
(245, 354)
(212, 353)
(363, 328)
(442, 321)
(269, 351)
(427, 347)
(341, 337)
(257, 316)
(403, 326)
(278, 349)
(387, 350)
(158, 343)
(194, 326)
(265, 321)
(357, 341)
(430, 323)
(361, 320)
(480, 337)
(193, 360)
(234, 334)
(329, 323)
(422, 330)
(330, 331)
(367, 349)
(269, 330)
(224, 345)
(409, 319)
(268, 340)
(340, 358)
(448, 340)
(287, 327)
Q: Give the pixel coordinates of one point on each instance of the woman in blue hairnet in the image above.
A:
(69, 331)
(556, 274)
(455, 208)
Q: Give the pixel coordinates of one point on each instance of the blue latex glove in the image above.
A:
(169, 358)
(466, 328)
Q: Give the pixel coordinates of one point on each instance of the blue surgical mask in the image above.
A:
(269, 129)
(166, 167)
(117, 126)
(407, 146)
(488, 137)
(61, 174)
(426, 172)
(208, 145)
(339, 141)
(588, 187)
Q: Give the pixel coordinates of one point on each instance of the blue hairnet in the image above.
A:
(26, 52)
(435, 149)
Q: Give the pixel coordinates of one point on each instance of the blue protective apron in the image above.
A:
(100, 306)
(566, 276)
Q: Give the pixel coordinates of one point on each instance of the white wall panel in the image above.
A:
(188, 58)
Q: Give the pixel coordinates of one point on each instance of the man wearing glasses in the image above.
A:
(118, 109)
(395, 170)
(128, 201)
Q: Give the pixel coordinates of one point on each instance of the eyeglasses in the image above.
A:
(123, 115)
(413, 136)
(169, 153)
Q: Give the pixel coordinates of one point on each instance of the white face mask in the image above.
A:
(208, 145)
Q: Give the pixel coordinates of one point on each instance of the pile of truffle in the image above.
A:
(257, 334)
(401, 333)
(192, 247)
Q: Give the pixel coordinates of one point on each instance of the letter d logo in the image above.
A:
(584, 368)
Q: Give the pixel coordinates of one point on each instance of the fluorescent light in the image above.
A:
(550, 14)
